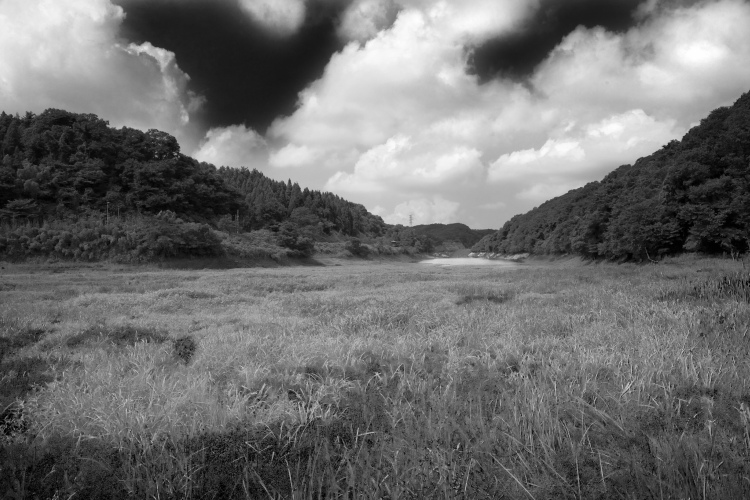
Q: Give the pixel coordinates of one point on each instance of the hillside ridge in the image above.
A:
(73, 187)
(692, 195)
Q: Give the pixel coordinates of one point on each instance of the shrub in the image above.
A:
(184, 348)
(734, 286)
(290, 238)
(140, 238)
(356, 247)
(19, 376)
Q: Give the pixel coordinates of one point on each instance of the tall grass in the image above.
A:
(387, 381)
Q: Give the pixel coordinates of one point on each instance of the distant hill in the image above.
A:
(691, 195)
(440, 233)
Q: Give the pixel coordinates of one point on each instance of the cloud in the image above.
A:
(424, 211)
(403, 102)
(277, 17)
(516, 53)
(174, 81)
(474, 21)
(364, 19)
(292, 155)
(398, 162)
(406, 80)
(407, 109)
(283, 17)
(68, 55)
(680, 64)
(235, 146)
(582, 152)
(656, 80)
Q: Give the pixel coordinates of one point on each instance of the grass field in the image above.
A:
(375, 380)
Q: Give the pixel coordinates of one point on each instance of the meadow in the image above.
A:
(553, 379)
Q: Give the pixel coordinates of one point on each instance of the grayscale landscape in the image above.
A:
(375, 249)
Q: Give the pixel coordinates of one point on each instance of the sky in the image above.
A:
(447, 110)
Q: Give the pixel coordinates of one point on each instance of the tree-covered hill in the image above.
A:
(691, 195)
(75, 173)
(59, 162)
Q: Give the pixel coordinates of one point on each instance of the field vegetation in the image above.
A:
(551, 379)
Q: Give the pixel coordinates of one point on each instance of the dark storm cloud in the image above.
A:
(515, 55)
(247, 74)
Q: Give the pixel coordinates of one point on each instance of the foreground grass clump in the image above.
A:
(561, 380)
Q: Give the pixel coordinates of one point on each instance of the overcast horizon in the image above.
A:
(465, 111)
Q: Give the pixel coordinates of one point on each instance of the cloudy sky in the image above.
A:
(452, 110)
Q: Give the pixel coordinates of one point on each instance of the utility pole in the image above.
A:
(411, 219)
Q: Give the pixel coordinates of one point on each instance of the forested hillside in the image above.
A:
(268, 202)
(692, 195)
(72, 186)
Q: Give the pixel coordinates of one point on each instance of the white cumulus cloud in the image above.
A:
(283, 17)
(69, 55)
(580, 152)
(292, 155)
(473, 20)
(364, 19)
(401, 114)
(679, 65)
(399, 162)
(234, 146)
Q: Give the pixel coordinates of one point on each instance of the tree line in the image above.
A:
(59, 168)
(692, 195)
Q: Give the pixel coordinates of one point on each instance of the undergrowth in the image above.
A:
(732, 286)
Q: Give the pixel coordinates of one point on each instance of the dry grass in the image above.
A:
(377, 381)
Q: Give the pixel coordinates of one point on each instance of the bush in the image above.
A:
(184, 348)
(357, 248)
(290, 238)
(135, 239)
